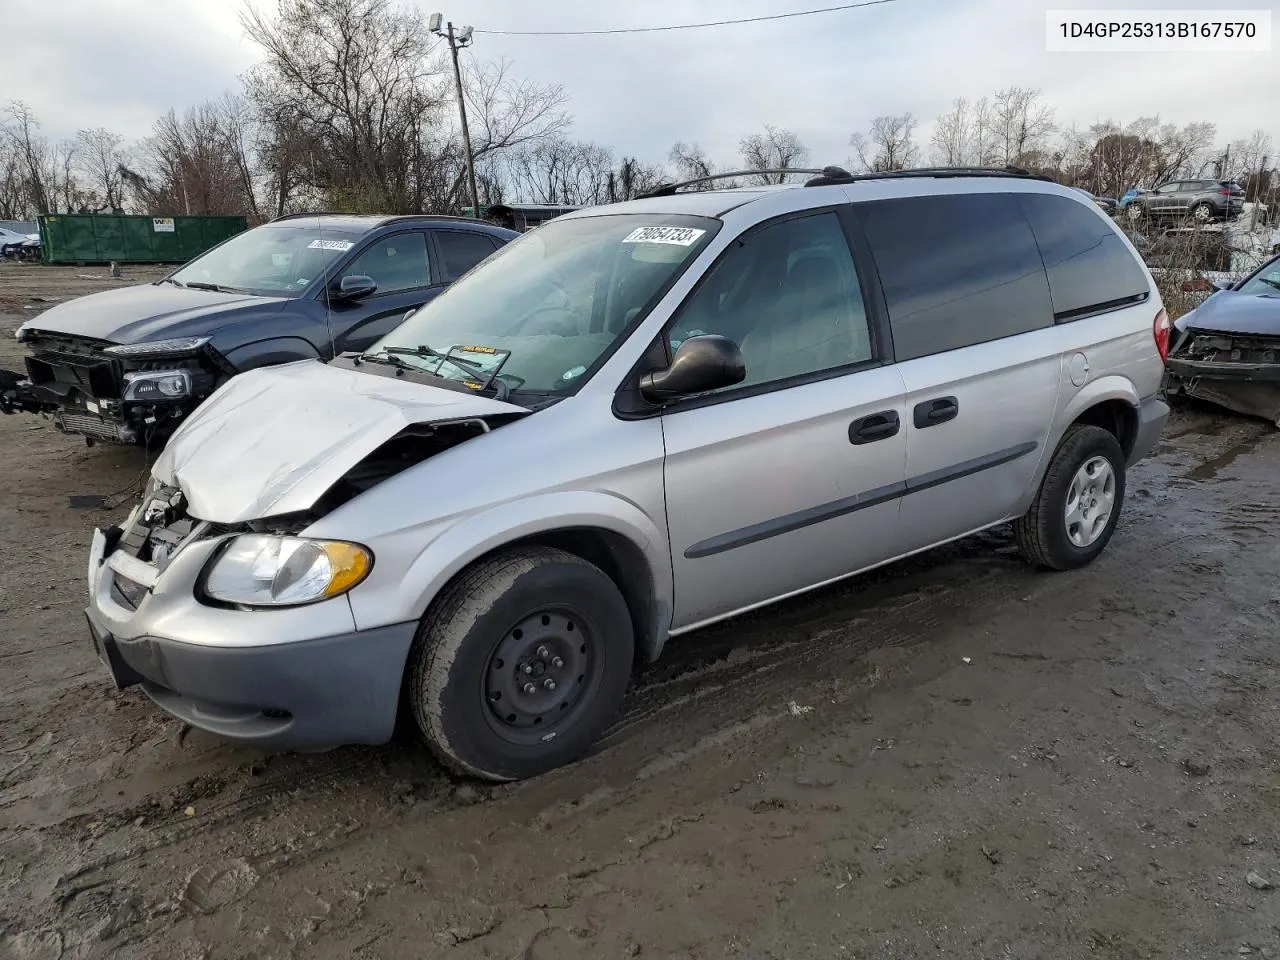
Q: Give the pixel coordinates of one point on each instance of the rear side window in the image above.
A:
(1090, 269)
(956, 270)
(460, 251)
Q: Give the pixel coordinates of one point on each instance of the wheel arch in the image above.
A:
(611, 533)
(1111, 403)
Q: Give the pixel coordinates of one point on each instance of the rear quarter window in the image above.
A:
(1090, 269)
(956, 270)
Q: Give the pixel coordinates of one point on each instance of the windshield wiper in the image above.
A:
(424, 351)
(176, 283)
(215, 287)
(392, 355)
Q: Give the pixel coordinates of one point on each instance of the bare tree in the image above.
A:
(889, 145)
(100, 157)
(34, 161)
(952, 140)
(690, 161)
(356, 80)
(561, 171)
(772, 150)
(631, 179)
(1020, 123)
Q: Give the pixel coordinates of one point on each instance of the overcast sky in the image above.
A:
(121, 63)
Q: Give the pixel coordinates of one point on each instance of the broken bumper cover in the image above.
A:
(310, 693)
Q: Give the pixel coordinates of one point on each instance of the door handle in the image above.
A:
(930, 413)
(873, 427)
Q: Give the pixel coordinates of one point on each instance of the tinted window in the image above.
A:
(397, 262)
(460, 251)
(788, 294)
(1089, 266)
(956, 270)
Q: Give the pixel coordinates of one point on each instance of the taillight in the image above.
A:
(1224, 192)
(1162, 330)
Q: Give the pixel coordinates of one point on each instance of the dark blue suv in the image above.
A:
(128, 365)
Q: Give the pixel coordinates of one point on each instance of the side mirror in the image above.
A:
(1223, 285)
(702, 363)
(357, 287)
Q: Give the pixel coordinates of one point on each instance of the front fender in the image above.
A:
(1112, 387)
(398, 597)
(266, 353)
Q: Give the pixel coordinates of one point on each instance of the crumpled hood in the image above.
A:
(273, 440)
(1232, 312)
(149, 312)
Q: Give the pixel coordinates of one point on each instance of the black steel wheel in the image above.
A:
(520, 664)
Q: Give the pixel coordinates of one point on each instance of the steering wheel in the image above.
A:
(562, 325)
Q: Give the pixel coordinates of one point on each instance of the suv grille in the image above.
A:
(75, 362)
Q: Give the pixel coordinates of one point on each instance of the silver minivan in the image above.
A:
(635, 421)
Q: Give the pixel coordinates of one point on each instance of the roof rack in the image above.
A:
(830, 175)
(669, 189)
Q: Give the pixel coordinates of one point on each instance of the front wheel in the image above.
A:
(1076, 511)
(520, 664)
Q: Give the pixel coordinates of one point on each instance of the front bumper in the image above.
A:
(274, 679)
(1245, 382)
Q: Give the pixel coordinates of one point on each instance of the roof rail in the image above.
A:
(669, 189)
(392, 218)
(299, 216)
(836, 175)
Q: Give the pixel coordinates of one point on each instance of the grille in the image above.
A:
(77, 362)
(89, 425)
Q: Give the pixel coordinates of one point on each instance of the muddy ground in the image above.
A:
(954, 757)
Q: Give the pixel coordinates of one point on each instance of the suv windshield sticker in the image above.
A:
(342, 246)
(680, 236)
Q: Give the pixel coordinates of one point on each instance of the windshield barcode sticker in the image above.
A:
(342, 246)
(680, 236)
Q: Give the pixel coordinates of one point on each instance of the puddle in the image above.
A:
(1210, 468)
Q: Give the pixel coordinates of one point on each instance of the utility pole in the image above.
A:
(462, 38)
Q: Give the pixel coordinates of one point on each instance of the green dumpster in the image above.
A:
(99, 238)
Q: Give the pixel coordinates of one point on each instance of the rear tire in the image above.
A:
(1201, 213)
(1062, 531)
(520, 664)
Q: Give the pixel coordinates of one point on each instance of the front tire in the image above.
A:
(520, 664)
(1078, 505)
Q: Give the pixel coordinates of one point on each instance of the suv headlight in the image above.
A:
(157, 385)
(262, 570)
(154, 348)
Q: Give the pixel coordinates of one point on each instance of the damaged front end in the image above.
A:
(118, 393)
(1240, 372)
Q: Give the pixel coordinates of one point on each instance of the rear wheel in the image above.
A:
(520, 664)
(1078, 505)
(1201, 213)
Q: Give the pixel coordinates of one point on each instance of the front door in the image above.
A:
(401, 267)
(791, 478)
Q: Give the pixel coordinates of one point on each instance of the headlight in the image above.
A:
(157, 385)
(259, 570)
(174, 347)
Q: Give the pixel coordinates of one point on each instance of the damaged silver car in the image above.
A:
(635, 421)
(1227, 350)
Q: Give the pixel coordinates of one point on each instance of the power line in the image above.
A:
(684, 26)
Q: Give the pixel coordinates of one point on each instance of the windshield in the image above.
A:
(1265, 281)
(274, 260)
(540, 314)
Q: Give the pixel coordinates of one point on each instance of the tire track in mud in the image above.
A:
(727, 685)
